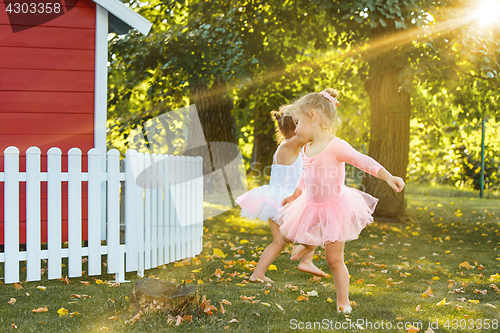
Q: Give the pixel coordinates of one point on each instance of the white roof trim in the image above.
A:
(126, 14)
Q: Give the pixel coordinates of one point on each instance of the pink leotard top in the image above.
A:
(324, 174)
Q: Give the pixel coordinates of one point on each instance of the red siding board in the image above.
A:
(46, 80)
(22, 58)
(41, 102)
(48, 37)
(39, 123)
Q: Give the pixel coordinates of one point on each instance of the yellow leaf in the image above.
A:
(243, 241)
(99, 281)
(41, 287)
(242, 230)
(301, 298)
(473, 301)
(241, 284)
(196, 270)
(266, 304)
(200, 282)
(415, 233)
(267, 292)
(329, 300)
(62, 312)
(442, 302)
(494, 277)
(435, 278)
(218, 253)
(272, 268)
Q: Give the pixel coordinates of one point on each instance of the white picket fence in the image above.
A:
(163, 206)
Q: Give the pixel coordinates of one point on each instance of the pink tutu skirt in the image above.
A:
(262, 202)
(306, 222)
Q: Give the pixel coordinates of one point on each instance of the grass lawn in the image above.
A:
(450, 244)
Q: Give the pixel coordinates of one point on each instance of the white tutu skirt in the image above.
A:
(262, 202)
(306, 222)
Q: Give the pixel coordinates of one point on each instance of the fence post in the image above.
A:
(154, 210)
(54, 213)
(147, 210)
(200, 204)
(74, 212)
(116, 262)
(131, 242)
(33, 215)
(11, 222)
(139, 214)
(94, 211)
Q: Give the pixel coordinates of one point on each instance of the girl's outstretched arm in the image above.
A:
(345, 153)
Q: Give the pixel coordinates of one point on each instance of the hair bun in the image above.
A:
(333, 92)
(276, 115)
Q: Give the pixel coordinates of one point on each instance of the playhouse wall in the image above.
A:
(47, 94)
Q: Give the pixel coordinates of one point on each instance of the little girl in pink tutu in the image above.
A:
(322, 210)
(263, 202)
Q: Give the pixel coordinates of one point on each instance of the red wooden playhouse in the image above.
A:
(53, 86)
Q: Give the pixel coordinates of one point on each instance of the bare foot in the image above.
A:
(344, 308)
(298, 251)
(309, 267)
(261, 279)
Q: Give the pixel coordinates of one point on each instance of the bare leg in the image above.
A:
(306, 265)
(335, 259)
(269, 254)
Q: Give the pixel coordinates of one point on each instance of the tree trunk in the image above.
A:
(389, 135)
(218, 125)
(263, 148)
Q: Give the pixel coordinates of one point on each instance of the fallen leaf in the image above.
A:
(178, 320)
(226, 302)
(473, 301)
(113, 318)
(312, 293)
(243, 241)
(38, 310)
(279, 307)
(301, 298)
(491, 305)
(429, 330)
(17, 286)
(218, 253)
(12, 301)
(465, 264)
(62, 312)
(412, 329)
(14, 326)
(85, 283)
(234, 320)
(272, 268)
(266, 304)
(222, 309)
(41, 287)
(72, 314)
(443, 302)
(417, 308)
(428, 293)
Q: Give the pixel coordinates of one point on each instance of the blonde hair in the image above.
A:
(286, 126)
(324, 106)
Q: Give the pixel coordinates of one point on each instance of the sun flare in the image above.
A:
(489, 11)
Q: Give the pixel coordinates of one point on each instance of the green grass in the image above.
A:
(435, 241)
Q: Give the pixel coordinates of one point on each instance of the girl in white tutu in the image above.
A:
(263, 202)
(322, 210)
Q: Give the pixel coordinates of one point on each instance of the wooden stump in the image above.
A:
(151, 295)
